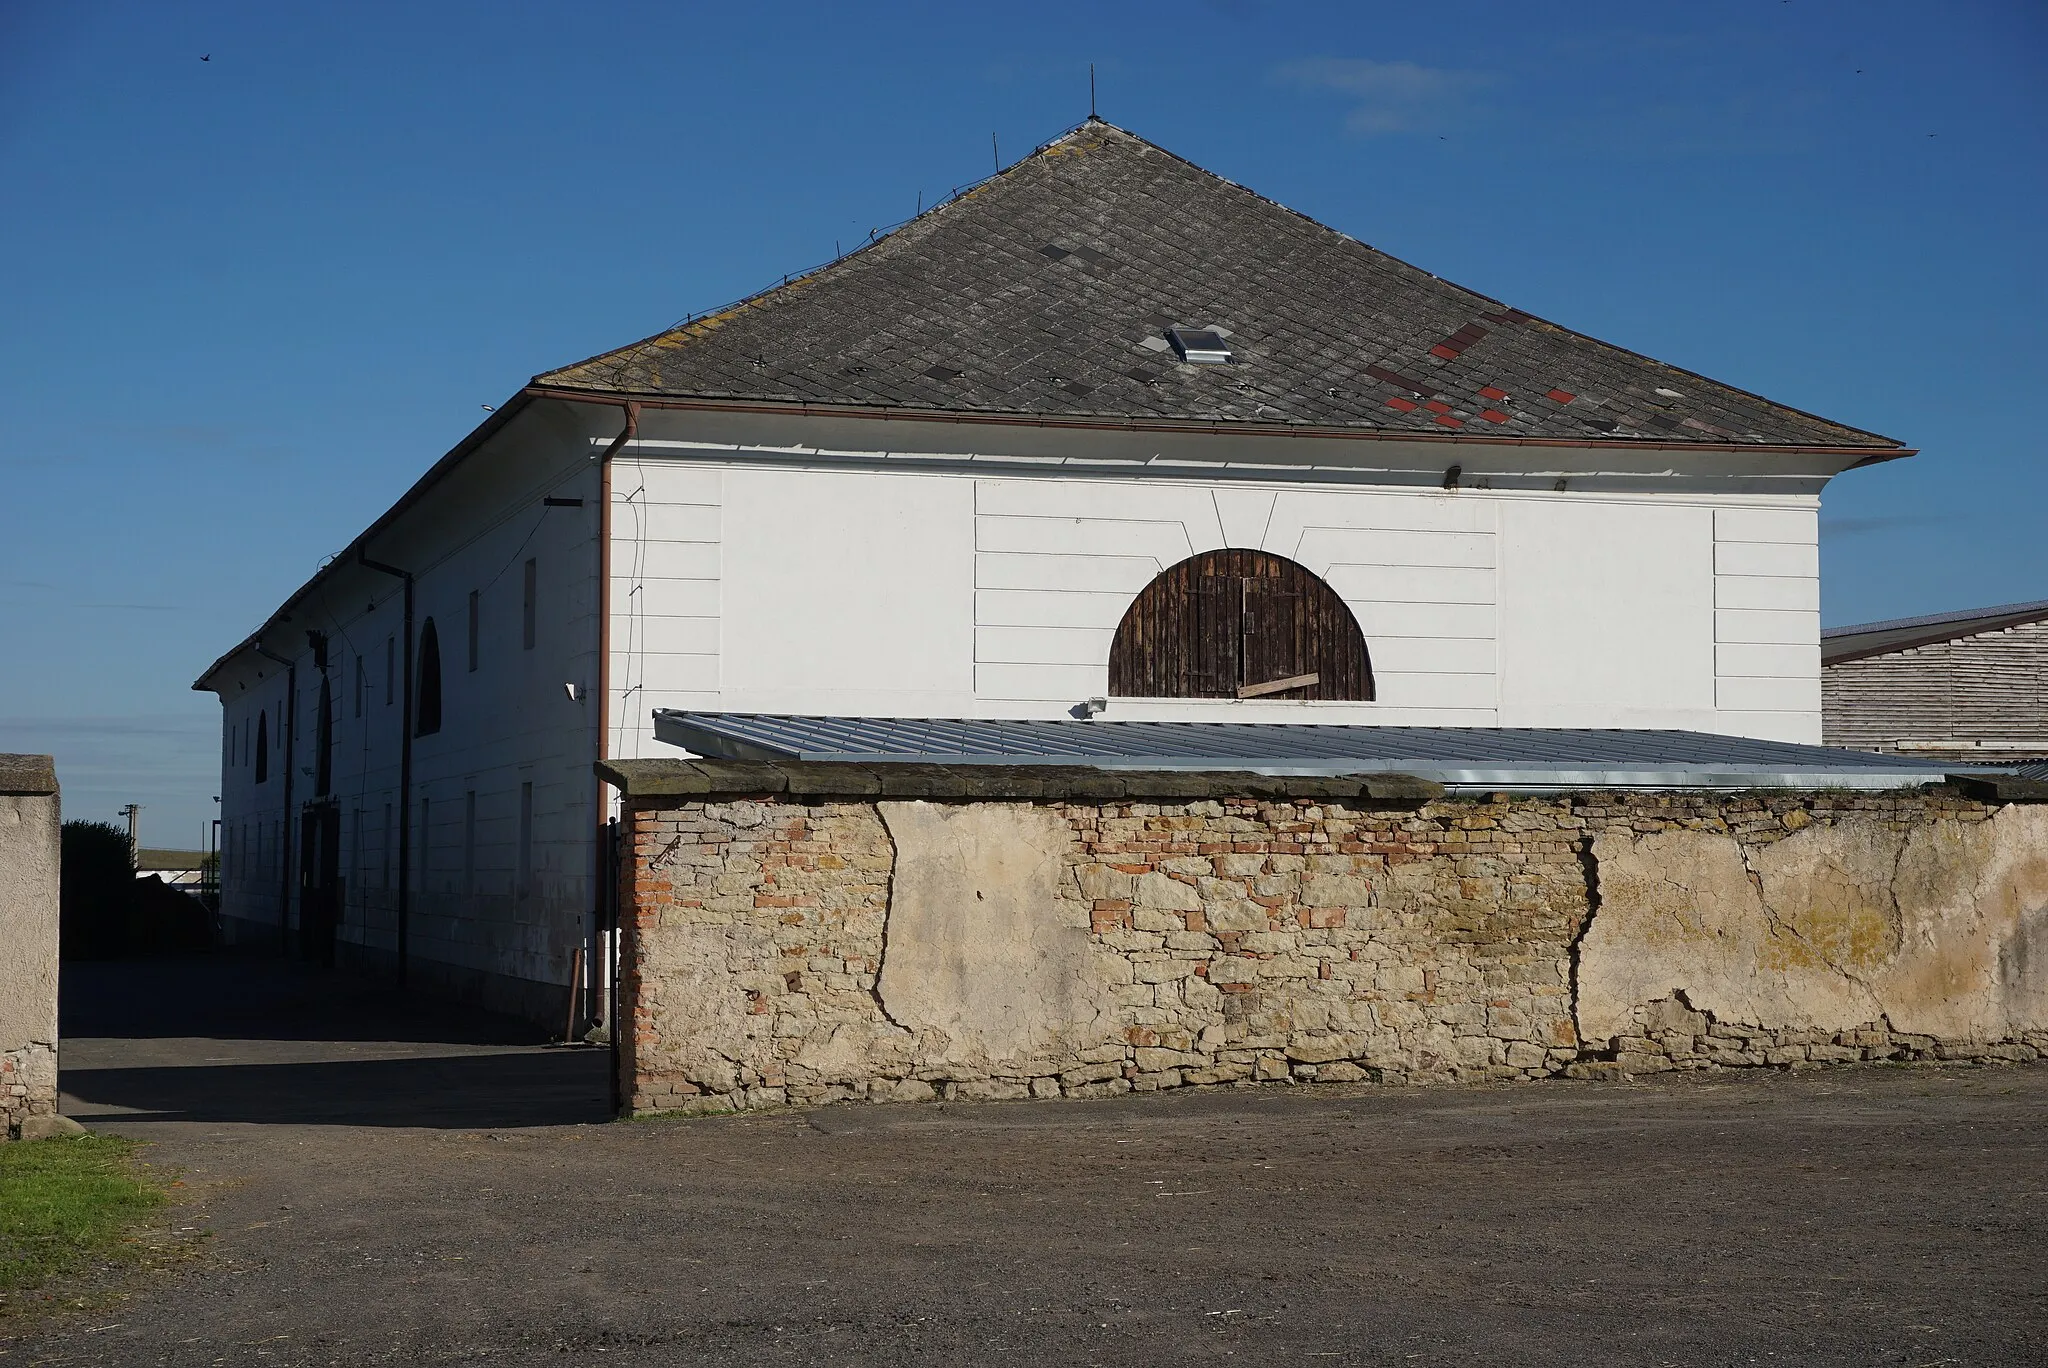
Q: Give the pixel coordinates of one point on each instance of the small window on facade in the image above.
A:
(525, 839)
(528, 604)
(427, 692)
(361, 683)
(262, 747)
(469, 843)
(384, 857)
(472, 630)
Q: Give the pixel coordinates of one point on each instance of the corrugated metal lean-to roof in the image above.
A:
(1488, 758)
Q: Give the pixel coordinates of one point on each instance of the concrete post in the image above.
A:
(29, 857)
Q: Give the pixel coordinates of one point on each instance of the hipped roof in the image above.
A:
(1048, 290)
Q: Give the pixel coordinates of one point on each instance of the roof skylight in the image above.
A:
(1200, 346)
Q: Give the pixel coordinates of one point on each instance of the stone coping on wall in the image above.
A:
(27, 775)
(2001, 788)
(706, 779)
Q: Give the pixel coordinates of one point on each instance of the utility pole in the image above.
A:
(133, 813)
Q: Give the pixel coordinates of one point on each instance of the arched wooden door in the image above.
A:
(1239, 624)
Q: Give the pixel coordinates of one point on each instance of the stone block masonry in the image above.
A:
(801, 945)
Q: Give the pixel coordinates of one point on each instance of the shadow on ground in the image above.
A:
(246, 995)
(247, 1039)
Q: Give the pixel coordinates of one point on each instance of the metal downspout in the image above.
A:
(404, 767)
(286, 844)
(607, 872)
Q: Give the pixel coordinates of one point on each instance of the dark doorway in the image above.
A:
(320, 886)
(1239, 624)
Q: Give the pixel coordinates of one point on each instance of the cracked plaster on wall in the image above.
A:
(1937, 930)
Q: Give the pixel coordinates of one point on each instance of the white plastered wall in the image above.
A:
(509, 723)
(751, 586)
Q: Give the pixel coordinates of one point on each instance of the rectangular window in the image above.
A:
(384, 879)
(470, 842)
(360, 685)
(472, 630)
(525, 840)
(528, 604)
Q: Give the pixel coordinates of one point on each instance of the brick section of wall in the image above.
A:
(1258, 939)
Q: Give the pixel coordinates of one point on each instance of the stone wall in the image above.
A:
(801, 946)
(29, 825)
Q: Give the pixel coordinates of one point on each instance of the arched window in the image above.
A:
(323, 764)
(427, 700)
(1239, 624)
(262, 746)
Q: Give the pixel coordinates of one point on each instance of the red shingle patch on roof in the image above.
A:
(1493, 415)
(1405, 405)
(1437, 406)
(1449, 421)
(1454, 345)
(1563, 396)
(1494, 392)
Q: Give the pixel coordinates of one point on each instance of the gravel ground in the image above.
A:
(385, 1185)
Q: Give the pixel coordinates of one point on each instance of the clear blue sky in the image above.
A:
(247, 300)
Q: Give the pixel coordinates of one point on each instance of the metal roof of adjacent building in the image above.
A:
(1459, 757)
(1839, 644)
(1051, 289)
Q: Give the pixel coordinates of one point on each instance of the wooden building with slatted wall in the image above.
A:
(1969, 685)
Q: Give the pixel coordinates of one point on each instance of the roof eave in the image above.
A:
(480, 434)
(1085, 422)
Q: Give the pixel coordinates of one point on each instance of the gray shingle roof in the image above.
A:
(1458, 756)
(1048, 289)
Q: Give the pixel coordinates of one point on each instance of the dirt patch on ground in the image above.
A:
(1875, 1215)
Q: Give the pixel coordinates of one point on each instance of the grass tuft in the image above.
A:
(68, 1203)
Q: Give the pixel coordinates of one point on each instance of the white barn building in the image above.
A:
(1105, 426)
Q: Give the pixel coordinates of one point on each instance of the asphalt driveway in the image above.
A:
(388, 1183)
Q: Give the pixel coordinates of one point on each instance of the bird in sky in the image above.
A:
(207, 58)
